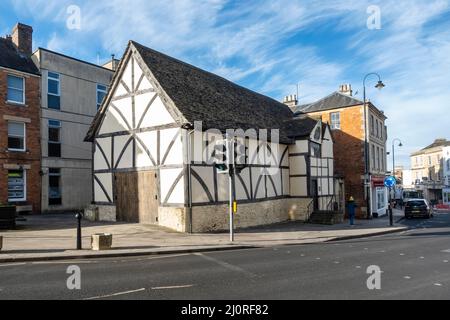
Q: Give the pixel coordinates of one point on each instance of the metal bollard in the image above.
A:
(391, 216)
(79, 216)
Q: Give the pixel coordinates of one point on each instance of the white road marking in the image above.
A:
(302, 255)
(173, 287)
(317, 258)
(438, 284)
(65, 262)
(336, 262)
(446, 251)
(358, 267)
(445, 261)
(422, 258)
(225, 264)
(116, 294)
(12, 264)
(407, 277)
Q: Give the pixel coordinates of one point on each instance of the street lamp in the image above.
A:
(391, 200)
(400, 144)
(380, 85)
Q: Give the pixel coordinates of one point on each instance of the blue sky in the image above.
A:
(270, 46)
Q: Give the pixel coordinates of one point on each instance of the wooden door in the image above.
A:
(136, 195)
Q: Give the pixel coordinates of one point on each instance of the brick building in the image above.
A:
(345, 114)
(20, 150)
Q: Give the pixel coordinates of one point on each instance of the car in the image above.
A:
(417, 208)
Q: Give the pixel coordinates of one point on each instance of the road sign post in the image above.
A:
(390, 183)
(231, 169)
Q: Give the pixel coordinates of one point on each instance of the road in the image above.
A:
(414, 265)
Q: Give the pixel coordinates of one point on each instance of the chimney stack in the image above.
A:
(291, 101)
(22, 37)
(346, 89)
(113, 64)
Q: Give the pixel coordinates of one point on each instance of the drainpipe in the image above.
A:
(189, 159)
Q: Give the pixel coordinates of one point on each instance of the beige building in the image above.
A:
(71, 93)
(427, 167)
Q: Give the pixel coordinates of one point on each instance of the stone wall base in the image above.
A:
(216, 218)
(100, 213)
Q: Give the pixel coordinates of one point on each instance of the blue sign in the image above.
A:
(390, 182)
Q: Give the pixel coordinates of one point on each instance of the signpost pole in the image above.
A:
(230, 159)
(390, 183)
(391, 214)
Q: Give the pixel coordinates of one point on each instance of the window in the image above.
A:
(381, 198)
(383, 155)
(372, 129)
(101, 93)
(16, 136)
(377, 128)
(54, 138)
(381, 130)
(54, 91)
(16, 89)
(54, 187)
(379, 159)
(335, 120)
(316, 150)
(16, 185)
(373, 157)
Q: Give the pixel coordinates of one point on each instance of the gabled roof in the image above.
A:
(300, 127)
(11, 58)
(199, 95)
(436, 144)
(335, 100)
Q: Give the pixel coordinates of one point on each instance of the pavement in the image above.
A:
(53, 237)
(413, 264)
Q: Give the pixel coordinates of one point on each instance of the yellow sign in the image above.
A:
(235, 207)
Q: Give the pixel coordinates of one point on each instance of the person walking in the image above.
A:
(351, 209)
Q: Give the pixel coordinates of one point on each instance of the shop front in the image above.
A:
(380, 196)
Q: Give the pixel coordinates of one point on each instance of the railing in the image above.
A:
(309, 211)
(330, 205)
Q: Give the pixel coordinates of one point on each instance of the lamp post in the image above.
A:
(380, 85)
(400, 144)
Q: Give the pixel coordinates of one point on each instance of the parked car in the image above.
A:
(417, 208)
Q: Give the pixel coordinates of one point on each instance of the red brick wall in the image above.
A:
(349, 152)
(33, 145)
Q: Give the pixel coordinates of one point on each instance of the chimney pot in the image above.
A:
(291, 100)
(22, 37)
(346, 89)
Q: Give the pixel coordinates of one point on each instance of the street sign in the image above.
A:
(390, 182)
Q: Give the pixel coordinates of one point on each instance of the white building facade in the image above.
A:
(151, 161)
(446, 164)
